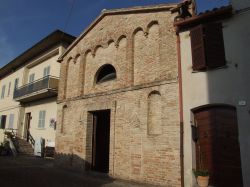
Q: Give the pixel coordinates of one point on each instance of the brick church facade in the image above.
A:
(118, 107)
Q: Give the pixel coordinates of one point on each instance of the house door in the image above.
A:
(27, 125)
(217, 148)
(100, 141)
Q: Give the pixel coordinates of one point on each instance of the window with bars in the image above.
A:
(41, 121)
(207, 47)
(46, 71)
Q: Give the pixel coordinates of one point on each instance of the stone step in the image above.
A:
(24, 148)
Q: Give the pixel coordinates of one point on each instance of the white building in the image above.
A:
(28, 89)
(214, 69)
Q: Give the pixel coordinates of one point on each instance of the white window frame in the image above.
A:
(31, 77)
(41, 119)
(46, 71)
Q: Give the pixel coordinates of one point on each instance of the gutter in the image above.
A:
(180, 110)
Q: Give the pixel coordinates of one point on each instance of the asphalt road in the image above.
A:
(38, 172)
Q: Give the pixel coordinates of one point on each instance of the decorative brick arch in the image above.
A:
(154, 113)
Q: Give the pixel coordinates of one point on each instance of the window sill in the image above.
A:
(209, 69)
(40, 128)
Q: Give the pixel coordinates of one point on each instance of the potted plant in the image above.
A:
(202, 177)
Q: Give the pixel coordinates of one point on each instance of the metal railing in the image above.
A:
(30, 138)
(48, 82)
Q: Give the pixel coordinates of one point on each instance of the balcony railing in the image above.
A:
(48, 83)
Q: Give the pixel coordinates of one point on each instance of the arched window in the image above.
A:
(105, 73)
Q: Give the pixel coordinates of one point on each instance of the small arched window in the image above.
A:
(105, 73)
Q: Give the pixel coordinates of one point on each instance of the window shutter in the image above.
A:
(48, 70)
(16, 82)
(11, 121)
(44, 72)
(2, 121)
(3, 92)
(1, 124)
(32, 77)
(197, 45)
(9, 88)
(214, 45)
(41, 120)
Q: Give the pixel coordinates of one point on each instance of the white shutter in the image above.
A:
(3, 91)
(41, 121)
(11, 121)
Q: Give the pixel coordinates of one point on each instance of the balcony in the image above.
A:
(39, 89)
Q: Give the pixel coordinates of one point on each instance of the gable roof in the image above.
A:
(49, 41)
(137, 9)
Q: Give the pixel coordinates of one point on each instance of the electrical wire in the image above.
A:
(68, 18)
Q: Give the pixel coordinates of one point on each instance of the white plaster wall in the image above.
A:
(9, 106)
(1, 136)
(50, 106)
(229, 86)
(240, 4)
(38, 69)
(7, 101)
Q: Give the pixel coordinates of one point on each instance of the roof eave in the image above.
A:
(205, 17)
(46, 43)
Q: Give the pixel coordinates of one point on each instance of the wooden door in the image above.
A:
(217, 148)
(27, 125)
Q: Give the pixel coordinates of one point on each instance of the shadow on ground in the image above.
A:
(39, 172)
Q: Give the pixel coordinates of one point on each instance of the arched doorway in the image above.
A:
(217, 148)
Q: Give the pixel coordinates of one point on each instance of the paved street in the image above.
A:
(37, 172)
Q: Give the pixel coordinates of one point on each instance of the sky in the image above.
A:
(25, 22)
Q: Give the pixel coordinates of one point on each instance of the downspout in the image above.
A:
(180, 109)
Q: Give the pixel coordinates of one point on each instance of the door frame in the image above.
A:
(94, 128)
(27, 124)
(194, 123)
(100, 105)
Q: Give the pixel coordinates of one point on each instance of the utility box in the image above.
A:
(39, 146)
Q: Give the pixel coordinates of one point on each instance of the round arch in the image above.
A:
(105, 73)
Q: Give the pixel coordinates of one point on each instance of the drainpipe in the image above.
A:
(180, 109)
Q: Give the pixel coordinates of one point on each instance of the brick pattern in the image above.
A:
(141, 47)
